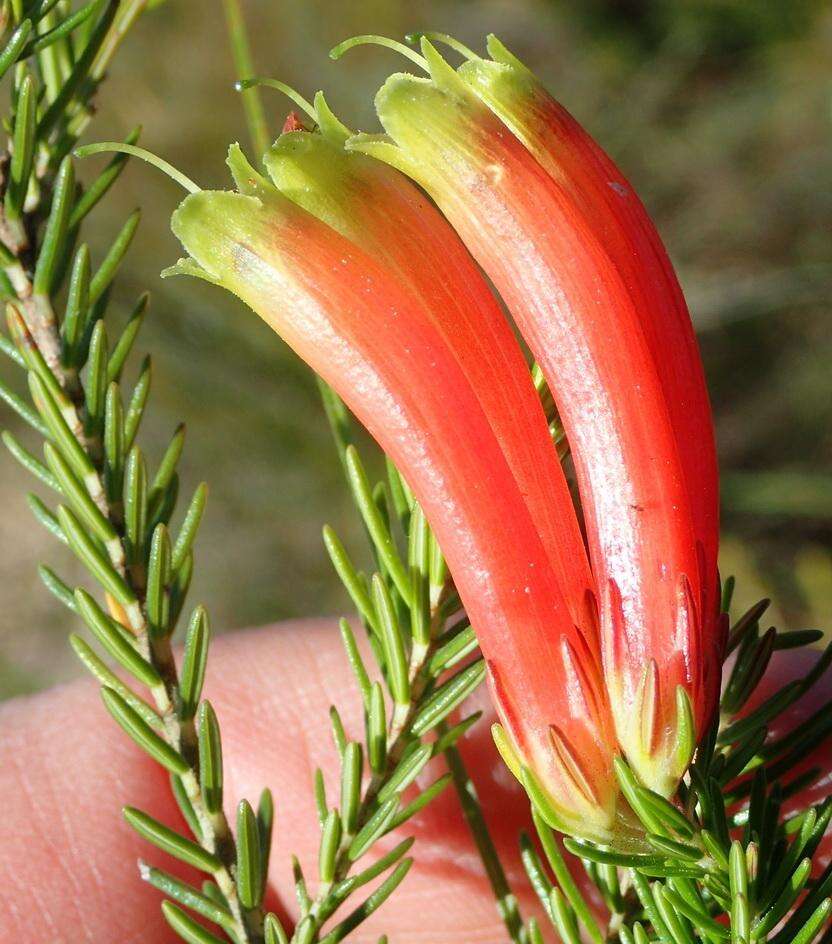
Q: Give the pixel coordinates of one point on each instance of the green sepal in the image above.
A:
(506, 750)
(685, 731)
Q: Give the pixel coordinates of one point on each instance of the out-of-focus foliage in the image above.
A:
(721, 114)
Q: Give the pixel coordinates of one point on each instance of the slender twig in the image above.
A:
(397, 738)
(244, 68)
(215, 832)
(37, 311)
(506, 900)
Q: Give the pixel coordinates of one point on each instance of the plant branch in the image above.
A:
(258, 128)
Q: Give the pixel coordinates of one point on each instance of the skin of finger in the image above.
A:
(68, 861)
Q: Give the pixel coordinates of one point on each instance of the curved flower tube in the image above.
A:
(612, 209)
(352, 317)
(383, 212)
(579, 317)
(618, 219)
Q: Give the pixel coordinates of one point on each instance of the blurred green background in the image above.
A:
(719, 111)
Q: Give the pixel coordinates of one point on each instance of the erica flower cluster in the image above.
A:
(602, 636)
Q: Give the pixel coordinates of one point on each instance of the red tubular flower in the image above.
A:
(619, 221)
(416, 357)
(555, 251)
(381, 211)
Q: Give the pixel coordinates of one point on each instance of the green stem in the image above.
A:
(258, 129)
(472, 811)
(129, 13)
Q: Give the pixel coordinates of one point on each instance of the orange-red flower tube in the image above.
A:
(619, 220)
(383, 212)
(347, 308)
(574, 301)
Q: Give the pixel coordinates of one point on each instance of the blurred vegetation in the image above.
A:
(720, 112)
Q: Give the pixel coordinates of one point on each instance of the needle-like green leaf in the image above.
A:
(393, 641)
(94, 558)
(249, 863)
(54, 238)
(330, 844)
(351, 770)
(190, 526)
(141, 732)
(379, 531)
(157, 597)
(194, 661)
(169, 841)
(23, 149)
(189, 930)
(210, 758)
(187, 895)
(114, 640)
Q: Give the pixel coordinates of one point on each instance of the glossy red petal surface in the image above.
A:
(354, 323)
(578, 317)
